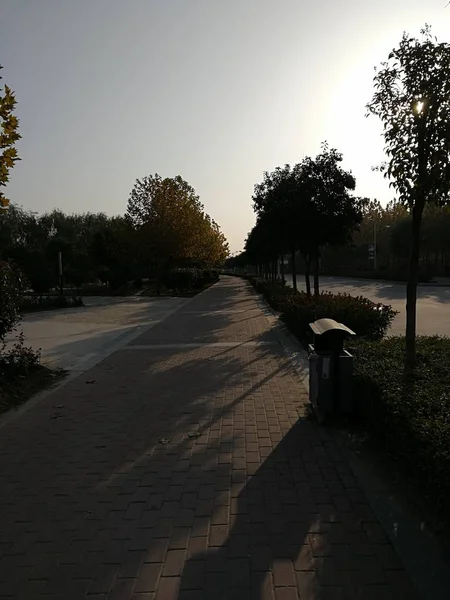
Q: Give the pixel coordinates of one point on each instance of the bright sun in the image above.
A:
(419, 106)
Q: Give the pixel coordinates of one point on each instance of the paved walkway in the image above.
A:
(183, 467)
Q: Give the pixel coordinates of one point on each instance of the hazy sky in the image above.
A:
(215, 91)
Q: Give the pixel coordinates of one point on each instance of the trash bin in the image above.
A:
(330, 369)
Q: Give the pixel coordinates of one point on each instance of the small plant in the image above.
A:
(17, 361)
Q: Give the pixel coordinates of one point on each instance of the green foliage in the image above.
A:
(9, 125)
(412, 419)
(21, 374)
(12, 286)
(17, 361)
(304, 208)
(412, 99)
(393, 237)
(170, 222)
(184, 279)
(366, 318)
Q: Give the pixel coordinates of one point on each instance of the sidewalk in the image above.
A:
(184, 467)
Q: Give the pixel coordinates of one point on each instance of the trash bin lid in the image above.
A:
(322, 326)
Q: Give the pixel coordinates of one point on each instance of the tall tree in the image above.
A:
(171, 223)
(9, 135)
(330, 213)
(412, 99)
(274, 199)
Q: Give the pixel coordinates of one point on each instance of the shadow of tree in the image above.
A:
(178, 453)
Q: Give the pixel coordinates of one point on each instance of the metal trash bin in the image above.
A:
(330, 369)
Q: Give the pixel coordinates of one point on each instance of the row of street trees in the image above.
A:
(381, 246)
(309, 207)
(304, 208)
(165, 226)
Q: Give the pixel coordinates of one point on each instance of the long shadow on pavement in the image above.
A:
(176, 454)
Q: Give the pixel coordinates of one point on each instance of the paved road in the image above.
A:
(433, 307)
(187, 469)
(77, 338)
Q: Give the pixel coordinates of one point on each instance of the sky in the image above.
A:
(216, 91)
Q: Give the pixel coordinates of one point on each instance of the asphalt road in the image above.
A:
(77, 338)
(433, 305)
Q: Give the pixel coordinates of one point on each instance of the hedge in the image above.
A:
(411, 418)
(366, 318)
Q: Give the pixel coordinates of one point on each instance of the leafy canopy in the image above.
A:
(412, 99)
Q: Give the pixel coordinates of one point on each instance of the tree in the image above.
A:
(9, 135)
(171, 224)
(327, 210)
(308, 207)
(274, 198)
(412, 99)
(12, 286)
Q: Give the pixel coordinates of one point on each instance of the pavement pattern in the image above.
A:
(186, 466)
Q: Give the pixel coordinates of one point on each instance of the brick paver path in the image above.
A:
(184, 466)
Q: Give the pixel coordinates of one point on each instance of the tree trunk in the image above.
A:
(283, 280)
(294, 272)
(307, 274)
(316, 274)
(411, 286)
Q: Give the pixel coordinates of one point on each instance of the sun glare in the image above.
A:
(419, 106)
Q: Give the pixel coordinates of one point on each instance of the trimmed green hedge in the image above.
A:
(366, 318)
(412, 420)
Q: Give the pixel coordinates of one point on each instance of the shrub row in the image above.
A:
(366, 318)
(33, 303)
(183, 279)
(412, 419)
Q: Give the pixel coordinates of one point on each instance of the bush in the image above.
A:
(366, 318)
(12, 286)
(413, 421)
(37, 303)
(18, 361)
(184, 279)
